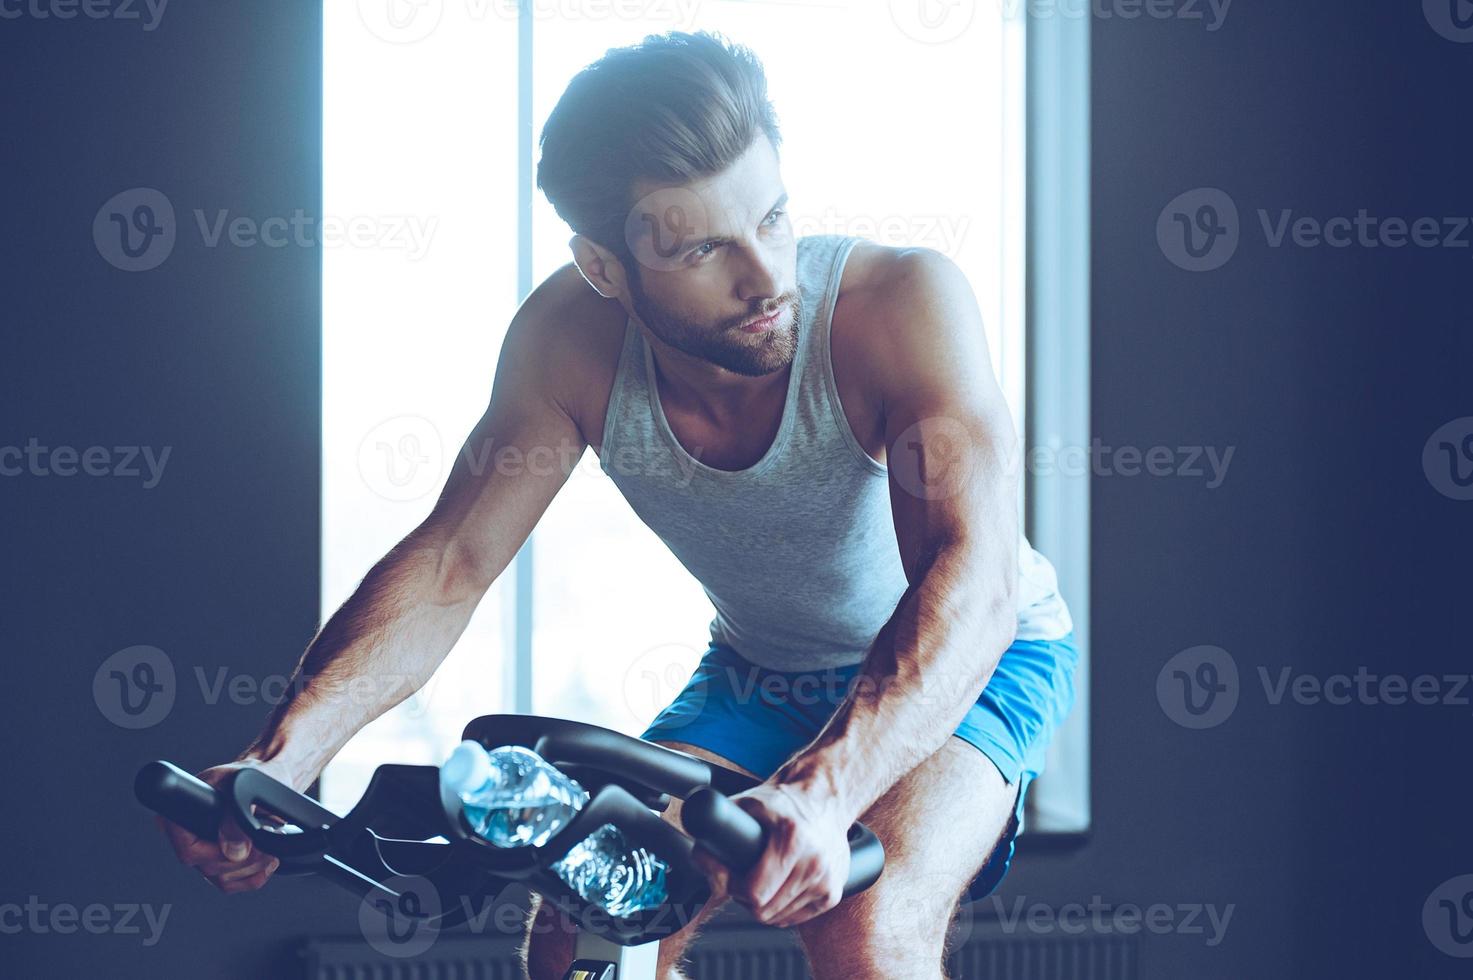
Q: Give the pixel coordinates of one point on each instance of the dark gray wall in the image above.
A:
(216, 354)
(1324, 549)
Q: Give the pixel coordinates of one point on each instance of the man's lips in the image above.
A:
(757, 326)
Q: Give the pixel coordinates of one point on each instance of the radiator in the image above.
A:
(736, 953)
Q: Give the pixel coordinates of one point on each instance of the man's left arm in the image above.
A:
(952, 454)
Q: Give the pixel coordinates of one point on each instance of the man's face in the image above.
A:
(713, 256)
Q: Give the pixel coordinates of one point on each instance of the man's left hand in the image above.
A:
(802, 871)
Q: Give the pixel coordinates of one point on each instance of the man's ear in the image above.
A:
(601, 267)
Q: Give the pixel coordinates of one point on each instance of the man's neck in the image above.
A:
(695, 385)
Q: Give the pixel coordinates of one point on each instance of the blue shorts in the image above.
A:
(759, 718)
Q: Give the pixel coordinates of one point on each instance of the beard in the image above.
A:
(724, 344)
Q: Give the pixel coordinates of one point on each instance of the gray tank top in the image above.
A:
(797, 552)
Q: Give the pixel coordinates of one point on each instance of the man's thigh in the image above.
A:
(939, 824)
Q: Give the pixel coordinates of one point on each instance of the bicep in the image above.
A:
(949, 437)
(514, 461)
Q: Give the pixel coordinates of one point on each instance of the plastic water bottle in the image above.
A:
(512, 797)
(606, 870)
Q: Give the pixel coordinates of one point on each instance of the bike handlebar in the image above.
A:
(348, 850)
(737, 839)
(180, 798)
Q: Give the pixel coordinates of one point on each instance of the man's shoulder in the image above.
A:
(572, 336)
(880, 282)
(883, 293)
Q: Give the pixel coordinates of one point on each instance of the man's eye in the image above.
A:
(772, 218)
(704, 250)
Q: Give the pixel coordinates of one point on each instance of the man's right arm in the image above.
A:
(401, 622)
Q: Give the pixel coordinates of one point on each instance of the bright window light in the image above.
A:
(891, 131)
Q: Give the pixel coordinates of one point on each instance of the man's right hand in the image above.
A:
(229, 861)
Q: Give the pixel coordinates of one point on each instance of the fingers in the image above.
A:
(190, 850)
(794, 895)
(800, 915)
(234, 844)
(716, 873)
(231, 877)
(228, 862)
(249, 879)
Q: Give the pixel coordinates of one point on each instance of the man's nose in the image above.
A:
(760, 278)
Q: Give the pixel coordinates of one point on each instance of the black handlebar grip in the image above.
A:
(726, 830)
(737, 839)
(180, 798)
(866, 859)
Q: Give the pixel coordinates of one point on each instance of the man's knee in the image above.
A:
(894, 929)
(551, 941)
(547, 949)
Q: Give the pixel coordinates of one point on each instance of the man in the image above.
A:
(814, 429)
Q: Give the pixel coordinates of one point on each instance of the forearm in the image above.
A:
(923, 672)
(381, 646)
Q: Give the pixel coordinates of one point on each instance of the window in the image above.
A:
(892, 131)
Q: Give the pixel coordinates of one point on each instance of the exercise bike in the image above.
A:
(406, 838)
